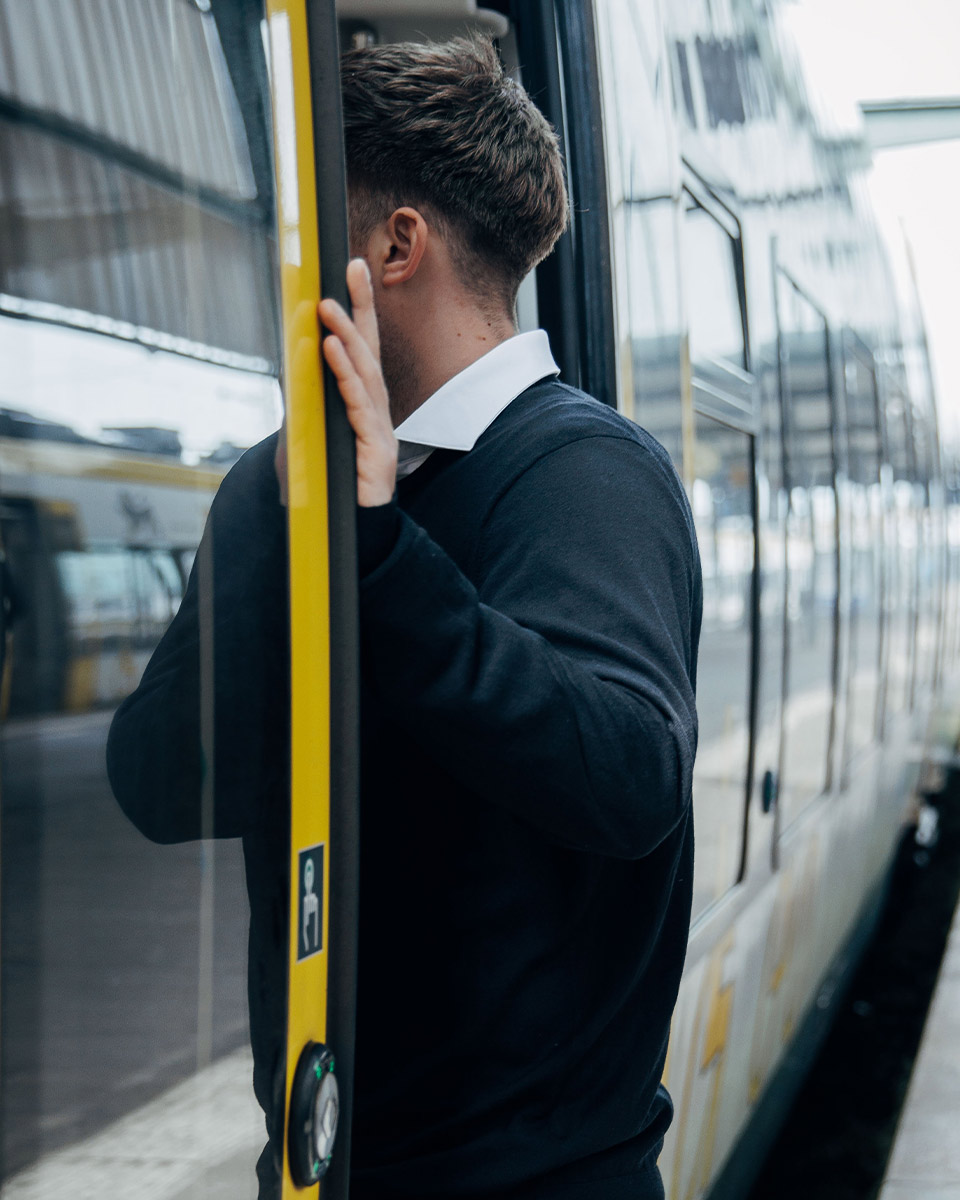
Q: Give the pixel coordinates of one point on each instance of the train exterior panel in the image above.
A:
(734, 189)
(725, 284)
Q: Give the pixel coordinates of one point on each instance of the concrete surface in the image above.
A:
(925, 1162)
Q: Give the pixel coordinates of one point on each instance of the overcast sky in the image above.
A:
(897, 49)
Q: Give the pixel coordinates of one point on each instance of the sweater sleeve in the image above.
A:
(561, 686)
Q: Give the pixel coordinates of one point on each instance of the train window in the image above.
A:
(771, 531)
(864, 517)
(710, 290)
(928, 513)
(722, 498)
(928, 556)
(952, 597)
(722, 501)
(712, 270)
(811, 616)
(139, 333)
(643, 184)
(901, 558)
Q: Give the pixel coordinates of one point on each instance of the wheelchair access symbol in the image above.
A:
(310, 924)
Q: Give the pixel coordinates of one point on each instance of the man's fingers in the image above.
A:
(362, 355)
(361, 298)
(351, 350)
(364, 320)
(354, 394)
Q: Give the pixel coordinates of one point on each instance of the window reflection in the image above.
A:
(771, 526)
(644, 189)
(677, 296)
(901, 554)
(928, 560)
(650, 313)
(722, 500)
(952, 604)
(139, 342)
(105, 491)
(133, 195)
(811, 549)
(713, 304)
(723, 511)
(864, 517)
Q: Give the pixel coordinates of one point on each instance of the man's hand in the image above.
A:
(352, 351)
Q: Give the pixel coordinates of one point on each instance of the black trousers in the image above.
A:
(643, 1184)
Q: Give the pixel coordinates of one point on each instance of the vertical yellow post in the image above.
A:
(298, 222)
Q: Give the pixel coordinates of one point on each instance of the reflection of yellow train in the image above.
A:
(723, 284)
(98, 544)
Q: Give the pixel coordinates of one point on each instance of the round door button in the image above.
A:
(314, 1114)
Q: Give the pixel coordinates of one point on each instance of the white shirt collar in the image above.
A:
(455, 416)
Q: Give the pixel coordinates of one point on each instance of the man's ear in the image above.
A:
(407, 233)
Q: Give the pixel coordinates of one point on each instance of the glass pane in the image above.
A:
(722, 508)
(901, 544)
(929, 566)
(710, 291)
(712, 299)
(811, 551)
(952, 607)
(138, 333)
(642, 164)
(771, 524)
(864, 516)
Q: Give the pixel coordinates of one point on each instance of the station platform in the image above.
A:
(925, 1161)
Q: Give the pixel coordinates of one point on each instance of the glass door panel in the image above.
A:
(722, 496)
(811, 611)
(139, 331)
(865, 533)
(722, 502)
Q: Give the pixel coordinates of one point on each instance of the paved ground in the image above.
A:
(925, 1163)
(197, 1141)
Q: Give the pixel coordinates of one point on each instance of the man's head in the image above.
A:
(441, 129)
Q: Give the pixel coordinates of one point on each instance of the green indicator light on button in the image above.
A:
(314, 1112)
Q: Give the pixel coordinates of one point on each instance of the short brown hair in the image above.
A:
(440, 126)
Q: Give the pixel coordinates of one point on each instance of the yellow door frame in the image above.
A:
(299, 235)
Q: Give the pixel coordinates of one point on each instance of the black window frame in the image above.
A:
(557, 46)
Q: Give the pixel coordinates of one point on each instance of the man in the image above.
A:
(530, 609)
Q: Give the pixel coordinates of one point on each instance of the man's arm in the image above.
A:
(561, 687)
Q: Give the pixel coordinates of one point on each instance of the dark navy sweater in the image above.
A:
(530, 614)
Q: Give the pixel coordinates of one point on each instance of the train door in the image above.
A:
(556, 45)
(323, 851)
(685, 377)
(168, 848)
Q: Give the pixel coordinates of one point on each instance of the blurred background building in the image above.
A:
(872, 54)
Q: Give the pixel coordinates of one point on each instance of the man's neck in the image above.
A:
(458, 336)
